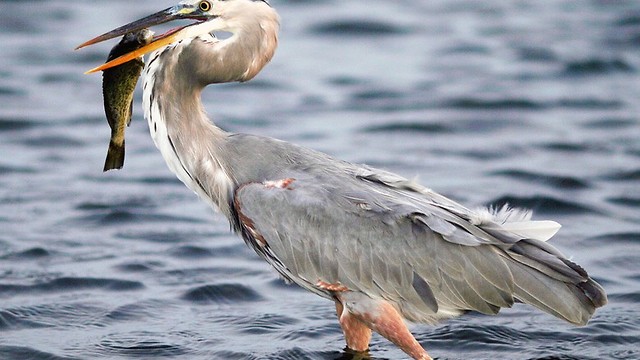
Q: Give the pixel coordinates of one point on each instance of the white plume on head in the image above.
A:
(516, 220)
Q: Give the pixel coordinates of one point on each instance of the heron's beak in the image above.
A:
(166, 15)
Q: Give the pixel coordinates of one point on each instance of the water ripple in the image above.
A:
(71, 284)
(222, 294)
(29, 254)
(11, 91)
(53, 141)
(611, 123)
(299, 353)
(70, 315)
(25, 353)
(597, 67)
(625, 200)
(408, 127)
(543, 204)
(201, 275)
(191, 251)
(266, 323)
(120, 216)
(623, 175)
(142, 344)
(589, 103)
(629, 238)
(160, 237)
(135, 267)
(15, 124)
(473, 103)
(10, 169)
(537, 54)
(128, 203)
(147, 309)
(11, 321)
(235, 355)
(556, 181)
(357, 28)
(566, 146)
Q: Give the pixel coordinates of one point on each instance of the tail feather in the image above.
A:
(594, 292)
(547, 260)
(547, 280)
(551, 296)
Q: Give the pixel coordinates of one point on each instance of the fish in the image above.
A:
(118, 85)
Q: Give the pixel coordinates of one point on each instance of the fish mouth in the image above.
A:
(173, 13)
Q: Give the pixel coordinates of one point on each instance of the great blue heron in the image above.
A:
(383, 248)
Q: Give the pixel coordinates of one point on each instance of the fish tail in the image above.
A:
(115, 156)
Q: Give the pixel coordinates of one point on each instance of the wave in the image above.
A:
(222, 294)
(26, 353)
(597, 67)
(555, 181)
(29, 254)
(64, 284)
(362, 27)
(140, 344)
(543, 204)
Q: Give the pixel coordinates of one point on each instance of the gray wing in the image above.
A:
(388, 238)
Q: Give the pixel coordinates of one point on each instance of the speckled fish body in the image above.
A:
(118, 85)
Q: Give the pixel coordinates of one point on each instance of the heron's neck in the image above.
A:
(238, 58)
(192, 146)
(188, 141)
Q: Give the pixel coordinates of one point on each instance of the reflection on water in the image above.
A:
(531, 103)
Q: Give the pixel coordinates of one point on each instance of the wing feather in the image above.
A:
(389, 238)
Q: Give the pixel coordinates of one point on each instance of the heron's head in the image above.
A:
(208, 16)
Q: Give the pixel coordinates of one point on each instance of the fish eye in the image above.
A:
(204, 6)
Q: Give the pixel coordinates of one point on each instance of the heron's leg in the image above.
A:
(383, 318)
(356, 333)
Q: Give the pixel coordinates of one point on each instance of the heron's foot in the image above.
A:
(380, 316)
(350, 354)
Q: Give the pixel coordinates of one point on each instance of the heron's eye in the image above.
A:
(204, 6)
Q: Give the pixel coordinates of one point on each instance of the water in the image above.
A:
(534, 103)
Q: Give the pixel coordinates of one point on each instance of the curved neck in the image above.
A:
(205, 60)
(190, 144)
(176, 75)
(193, 147)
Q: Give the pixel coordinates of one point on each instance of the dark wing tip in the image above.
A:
(594, 292)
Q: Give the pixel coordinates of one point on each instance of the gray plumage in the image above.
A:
(385, 236)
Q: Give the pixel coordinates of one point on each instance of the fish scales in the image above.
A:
(118, 85)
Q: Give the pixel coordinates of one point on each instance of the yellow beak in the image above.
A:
(154, 45)
(173, 13)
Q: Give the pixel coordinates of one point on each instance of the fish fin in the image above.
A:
(130, 112)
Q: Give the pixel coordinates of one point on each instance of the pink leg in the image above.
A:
(383, 318)
(356, 333)
(390, 324)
